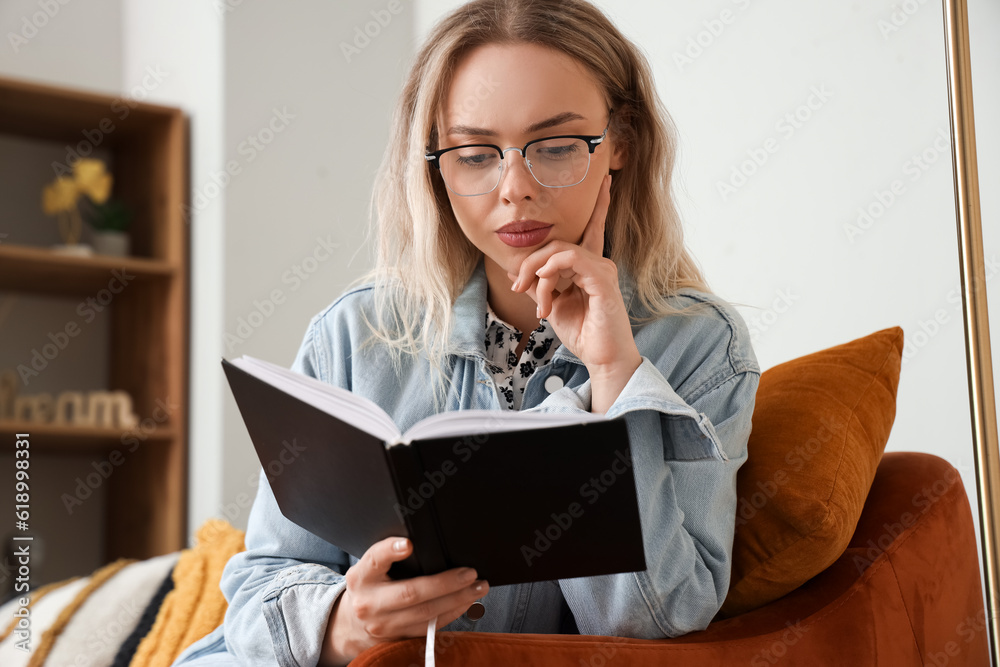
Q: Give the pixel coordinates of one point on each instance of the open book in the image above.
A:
(519, 496)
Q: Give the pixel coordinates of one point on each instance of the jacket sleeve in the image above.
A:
(282, 588)
(685, 457)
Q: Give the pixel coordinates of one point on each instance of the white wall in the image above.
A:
(305, 186)
(75, 44)
(184, 39)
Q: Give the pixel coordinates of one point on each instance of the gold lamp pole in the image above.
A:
(974, 309)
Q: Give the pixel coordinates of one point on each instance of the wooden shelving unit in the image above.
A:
(76, 439)
(146, 501)
(41, 271)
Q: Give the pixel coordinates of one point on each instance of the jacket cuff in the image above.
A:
(647, 389)
(298, 603)
(691, 432)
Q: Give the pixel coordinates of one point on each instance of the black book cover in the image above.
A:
(519, 506)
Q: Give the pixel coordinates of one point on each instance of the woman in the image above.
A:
(543, 274)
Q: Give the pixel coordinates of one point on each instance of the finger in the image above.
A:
(534, 261)
(417, 590)
(593, 235)
(564, 281)
(539, 264)
(420, 629)
(415, 617)
(543, 293)
(530, 291)
(375, 562)
(593, 274)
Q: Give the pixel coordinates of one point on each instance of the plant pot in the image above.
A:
(111, 243)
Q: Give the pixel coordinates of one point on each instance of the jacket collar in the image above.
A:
(469, 315)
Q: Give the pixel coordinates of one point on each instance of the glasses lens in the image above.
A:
(471, 170)
(559, 162)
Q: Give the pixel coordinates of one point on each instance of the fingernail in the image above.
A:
(399, 545)
(469, 574)
(513, 287)
(480, 586)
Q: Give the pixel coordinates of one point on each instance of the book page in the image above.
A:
(357, 411)
(467, 422)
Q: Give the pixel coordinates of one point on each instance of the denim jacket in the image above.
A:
(688, 410)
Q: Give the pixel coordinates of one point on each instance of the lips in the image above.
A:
(524, 233)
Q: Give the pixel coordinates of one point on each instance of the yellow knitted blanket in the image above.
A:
(196, 605)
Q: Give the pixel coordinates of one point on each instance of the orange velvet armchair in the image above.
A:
(842, 555)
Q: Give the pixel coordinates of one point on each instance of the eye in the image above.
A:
(475, 157)
(557, 151)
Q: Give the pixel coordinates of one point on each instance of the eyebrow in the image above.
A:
(558, 119)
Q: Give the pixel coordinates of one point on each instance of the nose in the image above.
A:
(520, 183)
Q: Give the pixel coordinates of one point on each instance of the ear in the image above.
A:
(617, 156)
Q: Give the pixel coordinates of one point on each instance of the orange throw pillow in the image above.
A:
(820, 425)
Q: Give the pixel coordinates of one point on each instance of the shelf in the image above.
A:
(67, 439)
(144, 345)
(43, 112)
(41, 270)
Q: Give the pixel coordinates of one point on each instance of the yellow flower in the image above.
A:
(92, 179)
(60, 195)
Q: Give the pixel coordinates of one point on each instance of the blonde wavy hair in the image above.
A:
(423, 259)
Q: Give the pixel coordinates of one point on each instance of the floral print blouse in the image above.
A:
(511, 374)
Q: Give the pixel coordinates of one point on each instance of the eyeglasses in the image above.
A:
(555, 162)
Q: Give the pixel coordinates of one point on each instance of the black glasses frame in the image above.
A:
(593, 141)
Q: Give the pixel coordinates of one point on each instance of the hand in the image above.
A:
(374, 608)
(576, 289)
